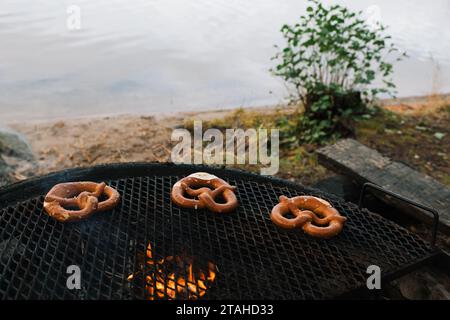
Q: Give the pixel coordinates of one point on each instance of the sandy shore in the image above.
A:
(85, 142)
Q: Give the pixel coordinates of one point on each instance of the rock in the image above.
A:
(425, 284)
(14, 144)
(421, 128)
(5, 177)
(413, 287)
(16, 157)
(439, 135)
(440, 292)
(391, 292)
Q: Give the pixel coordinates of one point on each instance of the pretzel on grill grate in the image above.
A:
(315, 216)
(60, 200)
(204, 188)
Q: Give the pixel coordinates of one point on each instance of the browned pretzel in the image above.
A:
(60, 200)
(315, 216)
(204, 188)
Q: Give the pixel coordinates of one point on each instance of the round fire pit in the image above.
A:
(148, 248)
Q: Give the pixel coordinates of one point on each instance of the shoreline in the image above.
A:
(204, 114)
(410, 103)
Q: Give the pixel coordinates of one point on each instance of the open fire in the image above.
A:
(175, 277)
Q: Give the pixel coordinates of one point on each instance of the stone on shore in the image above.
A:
(14, 144)
(16, 157)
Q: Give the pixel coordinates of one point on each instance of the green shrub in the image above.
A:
(331, 60)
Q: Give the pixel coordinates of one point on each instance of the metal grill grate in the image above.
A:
(253, 258)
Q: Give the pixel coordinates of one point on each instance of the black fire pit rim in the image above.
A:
(37, 186)
(22, 190)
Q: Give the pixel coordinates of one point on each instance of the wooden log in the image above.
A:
(362, 164)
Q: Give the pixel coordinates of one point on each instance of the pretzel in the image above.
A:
(82, 195)
(204, 188)
(315, 216)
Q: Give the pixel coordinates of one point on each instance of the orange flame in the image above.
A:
(161, 284)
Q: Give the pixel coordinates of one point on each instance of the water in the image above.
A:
(149, 56)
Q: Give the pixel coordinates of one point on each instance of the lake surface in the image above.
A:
(149, 56)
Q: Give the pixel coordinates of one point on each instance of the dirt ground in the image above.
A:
(417, 134)
(87, 142)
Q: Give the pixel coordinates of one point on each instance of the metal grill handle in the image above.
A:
(435, 214)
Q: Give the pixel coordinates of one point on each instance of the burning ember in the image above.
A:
(175, 277)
